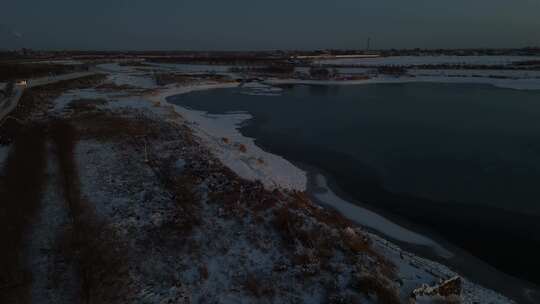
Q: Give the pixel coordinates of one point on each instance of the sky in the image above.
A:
(267, 25)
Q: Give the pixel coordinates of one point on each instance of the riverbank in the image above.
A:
(199, 119)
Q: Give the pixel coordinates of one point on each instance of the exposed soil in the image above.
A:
(21, 192)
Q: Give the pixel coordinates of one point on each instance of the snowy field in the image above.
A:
(219, 133)
(432, 60)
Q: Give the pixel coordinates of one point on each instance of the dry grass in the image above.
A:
(242, 148)
(288, 224)
(106, 127)
(203, 272)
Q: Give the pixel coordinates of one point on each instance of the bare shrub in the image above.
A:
(287, 224)
(203, 272)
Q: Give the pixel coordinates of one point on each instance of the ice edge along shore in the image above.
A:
(221, 134)
(204, 125)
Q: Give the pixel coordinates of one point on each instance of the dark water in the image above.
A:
(460, 160)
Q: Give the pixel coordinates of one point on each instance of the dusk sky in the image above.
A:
(278, 24)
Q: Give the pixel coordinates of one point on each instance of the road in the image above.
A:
(7, 105)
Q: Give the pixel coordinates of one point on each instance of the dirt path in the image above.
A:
(54, 278)
(23, 180)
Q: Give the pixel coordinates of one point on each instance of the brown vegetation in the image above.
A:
(242, 148)
(258, 287)
(86, 104)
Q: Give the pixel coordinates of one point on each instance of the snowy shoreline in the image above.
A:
(275, 171)
(212, 128)
(221, 135)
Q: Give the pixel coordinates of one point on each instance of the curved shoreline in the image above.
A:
(196, 121)
(212, 128)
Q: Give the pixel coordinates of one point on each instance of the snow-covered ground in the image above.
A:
(518, 84)
(422, 60)
(128, 76)
(413, 270)
(143, 81)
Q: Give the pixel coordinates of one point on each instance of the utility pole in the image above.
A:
(368, 44)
